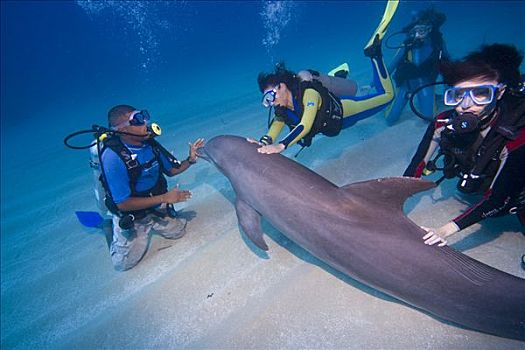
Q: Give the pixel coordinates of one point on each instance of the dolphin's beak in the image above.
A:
(201, 153)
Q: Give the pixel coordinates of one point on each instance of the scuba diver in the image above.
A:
(482, 139)
(132, 167)
(416, 63)
(310, 103)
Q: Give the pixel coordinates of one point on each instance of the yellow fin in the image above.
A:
(390, 10)
(341, 67)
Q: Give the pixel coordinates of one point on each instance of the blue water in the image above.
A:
(65, 63)
(79, 58)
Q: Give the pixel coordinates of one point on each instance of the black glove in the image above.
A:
(266, 140)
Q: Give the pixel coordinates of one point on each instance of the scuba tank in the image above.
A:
(98, 189)
(103, 199)
(102, 134)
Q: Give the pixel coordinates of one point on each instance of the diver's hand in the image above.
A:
(432, 237)
(435, 235)
(269, 149)
(176, 196)
(194, 147)
(250, 140)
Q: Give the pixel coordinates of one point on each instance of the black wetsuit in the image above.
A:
(504, 144)
(505, 190)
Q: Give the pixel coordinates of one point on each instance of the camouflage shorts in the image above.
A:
(129, 246)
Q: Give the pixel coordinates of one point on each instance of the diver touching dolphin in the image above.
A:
(361, 230)
(309, 103)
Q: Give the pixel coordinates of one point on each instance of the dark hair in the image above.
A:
(280, 75)
(430, 17)
(499, 62)
(118, 112)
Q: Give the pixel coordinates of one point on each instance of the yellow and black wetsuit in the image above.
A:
(354, 108)
(308, 108)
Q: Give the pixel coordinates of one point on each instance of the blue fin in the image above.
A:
(90, 218)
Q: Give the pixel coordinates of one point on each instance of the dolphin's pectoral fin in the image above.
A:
(250, 221)
(392, 191)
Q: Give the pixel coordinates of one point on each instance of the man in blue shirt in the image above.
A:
(133, 169)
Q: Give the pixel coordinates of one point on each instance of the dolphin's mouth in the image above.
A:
(202, 154)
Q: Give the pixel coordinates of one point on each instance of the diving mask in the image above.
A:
(136, 118)
(420, 31)
(481, 95)
(269, 97)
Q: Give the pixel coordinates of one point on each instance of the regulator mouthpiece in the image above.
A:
(154, 130)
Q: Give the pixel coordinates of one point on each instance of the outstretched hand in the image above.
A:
(432, 237)
(435, 235)
(194, 147)
(269, 149)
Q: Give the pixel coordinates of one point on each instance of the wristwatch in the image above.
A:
(191, 161)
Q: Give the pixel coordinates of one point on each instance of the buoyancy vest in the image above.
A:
(479, 158)
(428, 68)
(458, 145)
(328, 119)
(134, 169)
(511, 119)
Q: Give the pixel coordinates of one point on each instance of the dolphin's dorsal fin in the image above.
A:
(392, 190)
(250, 222)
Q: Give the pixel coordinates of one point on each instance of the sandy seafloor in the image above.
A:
(211, 289)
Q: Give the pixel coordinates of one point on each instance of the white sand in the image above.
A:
(212, 288)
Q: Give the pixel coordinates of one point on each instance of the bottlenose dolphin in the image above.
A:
(360, 229)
